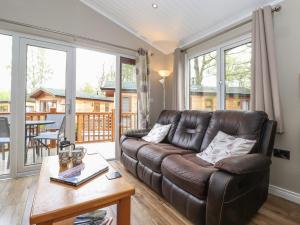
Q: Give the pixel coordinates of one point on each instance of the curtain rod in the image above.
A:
(276, 8)
(65, 34)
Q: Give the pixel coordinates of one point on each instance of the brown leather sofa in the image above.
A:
(228, 193)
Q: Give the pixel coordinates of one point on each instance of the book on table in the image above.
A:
(81, 173)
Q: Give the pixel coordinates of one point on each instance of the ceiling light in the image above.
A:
(154, 5)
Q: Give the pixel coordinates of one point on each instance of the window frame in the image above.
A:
(220, 50)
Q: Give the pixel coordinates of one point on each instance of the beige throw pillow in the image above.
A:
(224, 146)
(158, 133)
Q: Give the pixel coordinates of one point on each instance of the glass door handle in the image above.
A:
(69, 107)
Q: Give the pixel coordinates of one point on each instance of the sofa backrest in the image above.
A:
(242, 124)
(191, 129)
(169, 117)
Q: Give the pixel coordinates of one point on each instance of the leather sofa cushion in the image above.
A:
(131, 146)
(152, 155)
(189, 173)
(169, 117)
(243, 124)
(190, 206)
(129, 163)
(191, 130)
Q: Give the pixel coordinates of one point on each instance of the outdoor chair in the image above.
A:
(41, 140)
(57, 118)
(4, 136)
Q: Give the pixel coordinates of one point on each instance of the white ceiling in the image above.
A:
(175, 23)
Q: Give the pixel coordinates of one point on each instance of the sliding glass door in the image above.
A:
(50, 90)
(128, 99)
(5, 103)
(95, 102)
(45, 108)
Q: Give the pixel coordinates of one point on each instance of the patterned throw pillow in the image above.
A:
(224, 146)
(158, 133)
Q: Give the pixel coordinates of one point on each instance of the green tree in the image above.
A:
(238, 66)
(206, 61)
(38, 70)
(128, 73)
(101, 80)
(4, 96)
(111, 74)
(104, 76)
(88, 88)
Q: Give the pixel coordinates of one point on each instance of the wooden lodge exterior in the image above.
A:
(49, 99)
(204, 98)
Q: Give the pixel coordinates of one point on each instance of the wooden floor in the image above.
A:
(147, 207)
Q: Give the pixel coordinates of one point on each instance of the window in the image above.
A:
(203, 81)
(125, 104)
(106, 107)
(221, 78)
(238, 77)
(47, 106)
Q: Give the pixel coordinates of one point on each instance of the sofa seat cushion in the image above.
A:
(152, 155)
(189, 173)
(131, 146)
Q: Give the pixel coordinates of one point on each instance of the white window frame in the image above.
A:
(220, 49)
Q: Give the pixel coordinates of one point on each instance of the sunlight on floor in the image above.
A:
(106, 149)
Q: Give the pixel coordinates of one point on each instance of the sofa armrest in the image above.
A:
(136, 133)
(235, 198)
(249, 163)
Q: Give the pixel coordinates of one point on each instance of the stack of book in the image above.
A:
(97, 217)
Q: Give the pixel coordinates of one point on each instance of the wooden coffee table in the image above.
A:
(55, 202)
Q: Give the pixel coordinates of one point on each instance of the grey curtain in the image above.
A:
(143, 89)
(178, 95)
(265, 92)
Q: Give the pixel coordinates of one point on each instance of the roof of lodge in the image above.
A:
(127, 85)
(197, 89)
(61, 93)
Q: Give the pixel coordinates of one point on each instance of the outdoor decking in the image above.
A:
(93, 126)
(94, 130)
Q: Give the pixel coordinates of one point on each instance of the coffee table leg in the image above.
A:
(123, 212)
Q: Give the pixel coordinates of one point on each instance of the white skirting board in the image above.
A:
(284, 193)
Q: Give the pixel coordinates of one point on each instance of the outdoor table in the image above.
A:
(38, 122)
(35, 123)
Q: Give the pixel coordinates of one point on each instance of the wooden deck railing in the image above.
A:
(128, 121)
(93, 127)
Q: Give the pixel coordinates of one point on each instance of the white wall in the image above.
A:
(72, 16)
(284, 173)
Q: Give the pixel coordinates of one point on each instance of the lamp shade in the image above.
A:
(164, 73)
